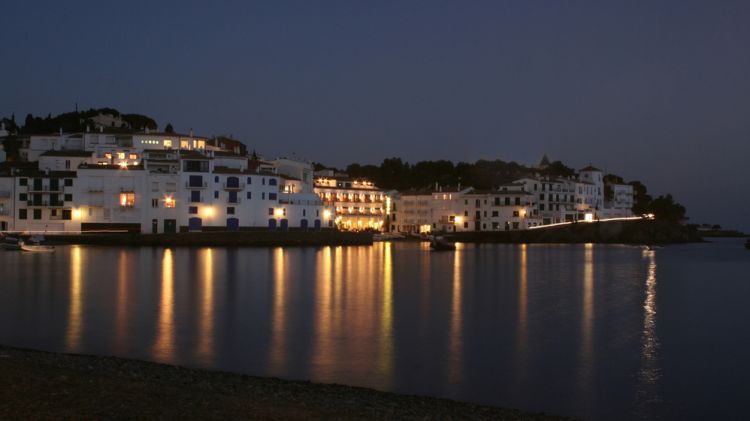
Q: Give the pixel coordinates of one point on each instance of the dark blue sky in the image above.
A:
(650, 90)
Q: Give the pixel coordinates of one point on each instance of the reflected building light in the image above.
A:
(206, 329)
(75, 307)
(121, 306)
(164, 346)
(649, 373)
(277, 357)
(522, 302)
(587, 317)
(385, 358)
(455, 337)
(323, 355)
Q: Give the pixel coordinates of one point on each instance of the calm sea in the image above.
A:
(592, 331)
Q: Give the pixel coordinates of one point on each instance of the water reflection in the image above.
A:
(649, 373)
(75, 309)
(277, 350)
(455, 336)
(206, 327)
(522, 302)
(121, 305)
(385, 354)
(164, 346)
(587, 318)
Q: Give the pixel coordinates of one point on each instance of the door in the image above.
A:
(233, 224)
(284, 224)
(317, 225)
(195, 224)
(154, 226)
(272, 224)
(170, 226)
(303, 224)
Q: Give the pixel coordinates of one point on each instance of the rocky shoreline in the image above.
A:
(44, 385)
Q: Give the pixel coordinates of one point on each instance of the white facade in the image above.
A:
(357, 204)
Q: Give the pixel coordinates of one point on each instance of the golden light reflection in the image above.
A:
(649, 372)
(121, 305)
(164, 346)
(587, 322)
(522, 303)
(385, 354)
(75, 308)
(323, 354)
(277, 357)
(455, 337)
(206, 328)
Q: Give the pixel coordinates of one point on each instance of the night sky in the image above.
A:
(651, 90)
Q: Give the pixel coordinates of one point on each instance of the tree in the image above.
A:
(664, 207)
(641, 199)
(169, 128)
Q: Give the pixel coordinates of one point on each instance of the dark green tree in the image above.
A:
(168, 128)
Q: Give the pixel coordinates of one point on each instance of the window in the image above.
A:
(304, 212)
(120, 155)
(515, 213)
(68, 197)
(272, 196)
(263, 196)
(195, 196)
(167, 143)
(68, 182)
(193, 210)
(67, 164)
(515, 225)
(127, 199)
(22, 213)
(23, 197)
(53, 212)
(67, 214)
(272, 181)
(507, 201)
(37, 214)
(518, 200)
(466, 225)
(171, 187)
(154, 203)
(195, 181)
(169, 202)
(466, 213)
(541, 206)
(216, 194)
(495, 214)
(216, 179)
(249, 195)
(270, 211)
(249, 180)
(233, 197)
(23, 181)
(230, 210)
(133, 156)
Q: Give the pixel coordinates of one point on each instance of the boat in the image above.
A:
(387, 236)
(37, 248)
(35, 245)
(440, 243)
(11, 243)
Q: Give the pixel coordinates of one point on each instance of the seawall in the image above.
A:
(220, 239)
(626, 232)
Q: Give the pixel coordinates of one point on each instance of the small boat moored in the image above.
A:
(441, 243)
(35, 245)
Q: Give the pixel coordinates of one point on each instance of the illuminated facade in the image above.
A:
(452, 210)
(357, 204)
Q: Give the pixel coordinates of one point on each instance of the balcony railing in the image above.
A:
(236, 201)
(190, 185)
(44, 189)
(240, 186)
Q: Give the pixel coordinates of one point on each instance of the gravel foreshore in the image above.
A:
(44, 385)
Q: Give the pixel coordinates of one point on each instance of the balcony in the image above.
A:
(190, 185)
(236, 201)
(240, 186)
(37, 204)
(44, 189)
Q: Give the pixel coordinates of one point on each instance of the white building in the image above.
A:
(358, 204)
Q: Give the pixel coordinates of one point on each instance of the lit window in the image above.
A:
(127, 200)
(133, 156)
(108, 155)
(120, 155)
(167, 143)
